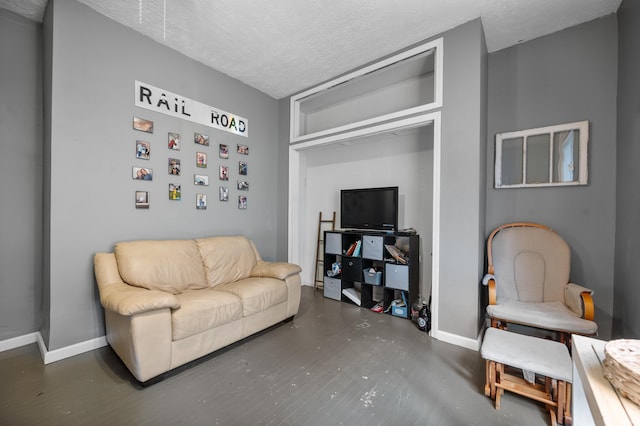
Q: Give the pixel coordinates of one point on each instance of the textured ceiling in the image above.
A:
(284, 46)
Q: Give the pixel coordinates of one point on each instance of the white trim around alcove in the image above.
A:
(297, 196)
(433, 46)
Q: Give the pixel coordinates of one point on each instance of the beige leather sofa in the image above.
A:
(172, 301)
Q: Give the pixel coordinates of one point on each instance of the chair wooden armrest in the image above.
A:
(579, 300)
(490, 281)
(587, 304)
(491, 286)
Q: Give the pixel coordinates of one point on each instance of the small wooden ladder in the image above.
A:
(322, 226)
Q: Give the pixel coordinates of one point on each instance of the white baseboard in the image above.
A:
(68, 351)
(454, 339)
(57, 354)
(16, 342)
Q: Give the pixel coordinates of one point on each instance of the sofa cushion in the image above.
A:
(173, 266)
(257, 294)
(202, 310)
(226, 259)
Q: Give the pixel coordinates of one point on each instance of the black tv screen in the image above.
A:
(369, 208)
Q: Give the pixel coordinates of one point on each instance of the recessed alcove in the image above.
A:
(377, 126)
(402, 158)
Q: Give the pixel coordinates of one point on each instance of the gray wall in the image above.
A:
(627, 267)
(47, 30)
(21, 175)
(283, 179)
(462, 171)
(95, 62)
(566, 76)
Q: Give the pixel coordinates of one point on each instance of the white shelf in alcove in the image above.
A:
(420, 66)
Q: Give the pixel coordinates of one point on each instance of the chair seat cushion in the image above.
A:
(550, 315)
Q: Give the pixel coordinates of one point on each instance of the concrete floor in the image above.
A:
(335, 364)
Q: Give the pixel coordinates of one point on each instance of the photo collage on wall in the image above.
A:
(177, 168)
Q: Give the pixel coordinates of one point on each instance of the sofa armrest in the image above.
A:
(579, 300)
(128, 300)
(120, 297)
(279, 270)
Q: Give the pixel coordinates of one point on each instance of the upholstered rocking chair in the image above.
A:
(528, 282)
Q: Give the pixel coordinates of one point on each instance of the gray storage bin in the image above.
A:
(333, 243)
(396, 276)
(372, 247)
(333, 288)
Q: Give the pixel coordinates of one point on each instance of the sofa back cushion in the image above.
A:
(174, 266)
(226, 259)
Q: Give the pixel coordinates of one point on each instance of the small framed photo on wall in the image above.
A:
(224, 193)
(174, 166)
(224, 173)
(142, 199)
(242, 202)
(242, 168)
(142, 125)
(143, 150)
(142, 173)
(243, 149)
(224, 151)
(201, 201)
(201, 180)
(175, 192)
(201, 159)
(243, 185)
(201, 139)
(174, 141)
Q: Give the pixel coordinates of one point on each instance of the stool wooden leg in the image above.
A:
(550, 389)
(492, 373)
(568, 420)
(487, 378)
(562, 394)
(499, 373)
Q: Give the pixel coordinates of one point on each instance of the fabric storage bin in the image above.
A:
(396, 276)
(333, 288)
(372, 247)
(352, 269)
(333, 243)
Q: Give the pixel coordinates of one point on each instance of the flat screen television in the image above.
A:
(369, 208)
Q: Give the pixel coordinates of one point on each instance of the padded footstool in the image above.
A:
(550, 360)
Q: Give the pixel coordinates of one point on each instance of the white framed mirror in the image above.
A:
(544, 156)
